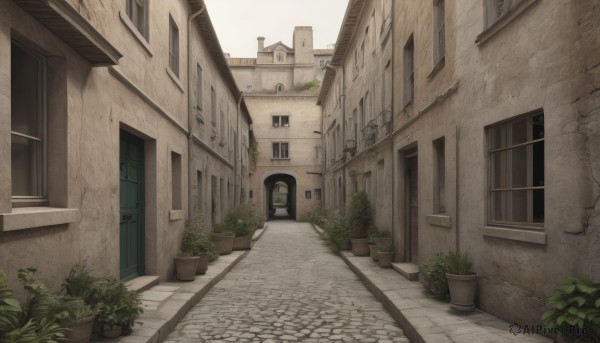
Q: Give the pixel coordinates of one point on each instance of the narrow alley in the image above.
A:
(290, 287)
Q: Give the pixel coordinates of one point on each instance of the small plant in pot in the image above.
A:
(433, 271)
(118, 307)
(185, 261)
(385, 254)
(372, 241)
(359, 220)
(575, 309)
(205, 249)
(223, 238)
(462, 281)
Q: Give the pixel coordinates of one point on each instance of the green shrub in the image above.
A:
(459, 263)
(242, 220)
(336, 231)
(311, 85)
(117, 305)
(576, 305)
(434, 271)
(359, 217)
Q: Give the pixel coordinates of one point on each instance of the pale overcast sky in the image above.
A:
(239, 22)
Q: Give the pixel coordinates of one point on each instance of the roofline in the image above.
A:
(209, 36)
(345, 35)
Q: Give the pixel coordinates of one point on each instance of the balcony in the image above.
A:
(377, 128)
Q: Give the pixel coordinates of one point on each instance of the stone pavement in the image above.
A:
(424, 318)
(290, 287)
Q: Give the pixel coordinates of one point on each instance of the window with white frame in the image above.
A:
(137, 11)
(28, 124)
(173, 46)
(439, 30)
(496, 9)
(280, 150)
(516, 171)
(281, 121)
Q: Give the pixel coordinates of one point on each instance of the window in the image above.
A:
(222, 123)
(496, 9)
(248, 88)
(28, 124)
(137, 11)
(516, 171)
(280, 150)
(250, 194)
(213, 106)
(199, 195)
(409, 72)
(322, 63)
(439, 177)
(308, 194)
(279, 88)
(362, 54)
(318, 194)
(175, 181)
(373, 37)
(281, 121)
(199, 89)
(439, 31)
(173, 46)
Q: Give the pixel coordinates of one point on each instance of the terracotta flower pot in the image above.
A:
(113, 332)
(385, 259)
(360, 247)
(224, 244)
(462, 291)
(373, 251)
(202, 264)
(242, 243)
(185, 267)
(80, 331)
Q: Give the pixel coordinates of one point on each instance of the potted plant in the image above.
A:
(205, 250)
(385, 254)
(383, 237)
(576, 308)
(242, 221)
(185, 261)
(223, 239)
(462, 281)
(372, 239)
(433, 271)
(359, 220)
(32, 322)
(336, 231)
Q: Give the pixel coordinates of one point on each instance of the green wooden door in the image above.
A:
(131, 164)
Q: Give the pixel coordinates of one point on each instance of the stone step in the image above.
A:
(142, 283)
(408, 270)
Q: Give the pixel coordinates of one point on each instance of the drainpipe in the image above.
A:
(456, 191)
(237, 153)
(190, 110)
(394, 155)
(344, 136)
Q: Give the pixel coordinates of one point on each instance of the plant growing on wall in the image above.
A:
(311, 85)
(576, 306)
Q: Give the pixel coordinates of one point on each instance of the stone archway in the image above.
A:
(279, 196)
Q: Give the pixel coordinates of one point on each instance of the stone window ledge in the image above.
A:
(503, 21)
(134, 31)
(438, 220)
(176, 215)
(175, 79)
(438, 66)
(529, 236)
(32, 217)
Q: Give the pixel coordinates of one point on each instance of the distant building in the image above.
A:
(280, 86)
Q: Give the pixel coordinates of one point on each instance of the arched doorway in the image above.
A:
(280, 196)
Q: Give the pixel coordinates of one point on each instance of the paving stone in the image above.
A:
(290, 288)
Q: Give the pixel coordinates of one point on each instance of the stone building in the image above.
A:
(280, 87)
(107, 120)
(494, 139)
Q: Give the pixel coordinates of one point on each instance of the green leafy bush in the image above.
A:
(459, 263)
(311, 85)
(359, 217)
(577, 305)
(434, 271)
(242, 220)
(336, 231)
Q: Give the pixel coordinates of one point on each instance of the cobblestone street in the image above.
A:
(289, 288)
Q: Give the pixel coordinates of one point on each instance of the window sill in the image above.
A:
(438, 220)
(32, 217)
(176, 215)
(529, 236)
(280, 159)
(143, 42)
(175, 79)
(438, 66)
(503, 21)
